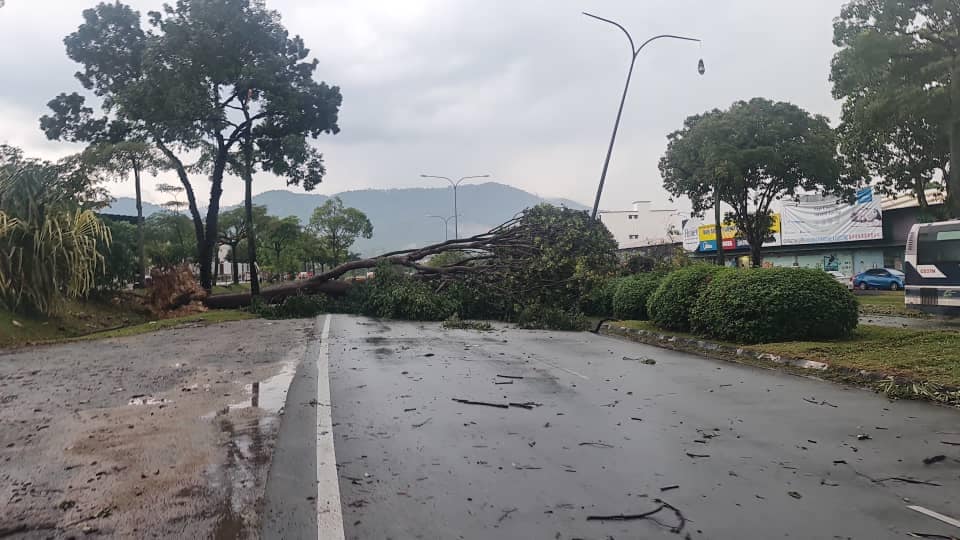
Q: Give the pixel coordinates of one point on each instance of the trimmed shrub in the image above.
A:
(774, 304)
(599, 301)
(670, 304)
(630, 298)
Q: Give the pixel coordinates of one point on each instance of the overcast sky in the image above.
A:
(523, 90)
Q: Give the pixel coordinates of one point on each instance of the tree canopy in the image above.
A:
(203, 76)
(754, 153)
(339, 227)
(896, 71)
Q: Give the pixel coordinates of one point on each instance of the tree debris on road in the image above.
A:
(485, 403)
(421, 424)
(822, 402)
(597, 444)
(676, 529)
(934, 459)
(510, 376)
(697, 455)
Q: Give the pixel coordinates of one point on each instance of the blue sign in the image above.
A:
(865, 195)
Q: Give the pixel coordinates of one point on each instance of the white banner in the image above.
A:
(826, 220)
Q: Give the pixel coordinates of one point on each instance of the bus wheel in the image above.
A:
(863, 285)
(894, 286)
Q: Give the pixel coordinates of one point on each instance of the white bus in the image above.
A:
(933, 268)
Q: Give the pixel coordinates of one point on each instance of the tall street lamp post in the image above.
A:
(455, 185)
(446, 225)
(633, 59)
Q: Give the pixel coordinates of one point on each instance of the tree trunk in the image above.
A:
(953, 184)
(235, 265)
(248, 210)
(209, 244)
(141, 256)
(756, 256)
(718, 223)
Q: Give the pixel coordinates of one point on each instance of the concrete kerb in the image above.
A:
(810, 368)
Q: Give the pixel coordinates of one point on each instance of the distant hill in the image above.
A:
(399, 216)
(127, 206)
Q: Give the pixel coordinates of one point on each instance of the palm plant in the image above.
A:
(48, 242)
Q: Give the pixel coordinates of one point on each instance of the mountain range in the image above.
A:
(399, 216)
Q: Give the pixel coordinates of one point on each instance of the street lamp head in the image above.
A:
(701, 69)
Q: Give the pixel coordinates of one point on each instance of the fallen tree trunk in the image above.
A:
(276, 294)
(482, 247)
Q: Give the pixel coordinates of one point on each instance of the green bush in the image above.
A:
(538, 316)
(670, 304)
(774, 304)
(598, 301)
(630, 298)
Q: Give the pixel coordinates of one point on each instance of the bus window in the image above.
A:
(940, 247)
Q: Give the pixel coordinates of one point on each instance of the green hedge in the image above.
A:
(774, 304)
(670, 304)
(538, 316)
(630, 298)
(599, 301)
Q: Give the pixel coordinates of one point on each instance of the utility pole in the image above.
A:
(633, 60)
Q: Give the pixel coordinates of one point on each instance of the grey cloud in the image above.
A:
(526, 90)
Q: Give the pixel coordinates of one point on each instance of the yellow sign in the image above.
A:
(708, 232)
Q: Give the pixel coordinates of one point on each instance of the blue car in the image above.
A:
(879, 278)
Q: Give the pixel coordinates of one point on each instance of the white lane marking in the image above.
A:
(936, 515)
(329, 512)
(570, 371)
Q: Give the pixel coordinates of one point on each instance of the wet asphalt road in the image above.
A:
(739, 452)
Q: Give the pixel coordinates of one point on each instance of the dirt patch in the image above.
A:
(141, 436)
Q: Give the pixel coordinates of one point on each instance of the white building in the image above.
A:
(642, 226)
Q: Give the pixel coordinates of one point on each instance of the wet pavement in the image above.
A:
(162, 435)
(557, 429)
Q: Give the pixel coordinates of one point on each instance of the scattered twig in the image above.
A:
(526, 405)
(951, 443)
(503, 382)
(410, 409)
(471, 402)
(823, 402)
(597, 444)
(509, 376)
(506, 514)
(907, 481)
(697, 455)
(676, 529)
(668, 488)
(933, 536)
(637, 419)
(421, 424)
(934, 459)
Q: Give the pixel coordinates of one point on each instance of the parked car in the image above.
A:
(841, 278)
(879, 278)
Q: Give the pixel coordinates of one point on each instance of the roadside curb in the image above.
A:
(810, 368)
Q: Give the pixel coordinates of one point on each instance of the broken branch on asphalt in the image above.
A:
(597, 444)
(484, 403)
(649, 516)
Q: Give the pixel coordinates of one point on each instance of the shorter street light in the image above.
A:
(446, 225)
(455, 185)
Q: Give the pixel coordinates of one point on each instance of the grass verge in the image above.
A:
(205, 318)
(931, 356)
(887, 303)
(95, 320)
(226, 289)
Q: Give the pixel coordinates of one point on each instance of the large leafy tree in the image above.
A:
(339, 227)
(209, 78)
(899, 73)
(752, 154)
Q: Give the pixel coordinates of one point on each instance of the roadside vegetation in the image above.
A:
(887, 303)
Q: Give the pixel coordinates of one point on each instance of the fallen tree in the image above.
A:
(545, 255)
